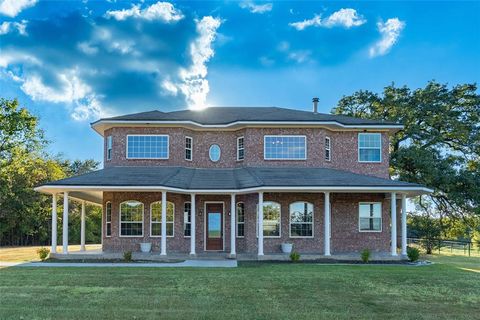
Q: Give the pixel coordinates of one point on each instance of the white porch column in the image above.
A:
(393, 209)
(232, 225)
(260, 223)
(65, 223)
(404, 224)
(192, 224)
(327, 224)
(82, 228)
(164, 224)
(54, 223)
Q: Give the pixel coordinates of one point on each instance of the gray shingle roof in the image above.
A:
(226, 115)
(225, 179)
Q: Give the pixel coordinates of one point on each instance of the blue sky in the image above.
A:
(72, 62)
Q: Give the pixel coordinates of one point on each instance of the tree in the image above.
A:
(440, 144)
(426, 228)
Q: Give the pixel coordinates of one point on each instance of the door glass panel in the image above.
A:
(214, 225)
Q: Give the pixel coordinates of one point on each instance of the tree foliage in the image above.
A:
(25, 215)
(440, 144)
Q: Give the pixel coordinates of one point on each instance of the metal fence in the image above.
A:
(447, 245)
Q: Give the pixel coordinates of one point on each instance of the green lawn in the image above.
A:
(450, 289)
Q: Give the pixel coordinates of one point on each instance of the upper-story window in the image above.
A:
(240, 149)
(109, 147)
(214, 152)
(328, 150)
(285, 148)
(369, 147)
(147, 147)
(188, 148)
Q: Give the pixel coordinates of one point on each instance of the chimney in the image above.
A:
(315, 105)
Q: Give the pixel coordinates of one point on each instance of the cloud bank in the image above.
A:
(11, 8)
(256, 8)
(346, 18)
(389, 34)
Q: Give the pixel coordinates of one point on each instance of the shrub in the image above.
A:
(295, 256)
(43, 253)
(365, 255)
(413, 254)
(127, 256)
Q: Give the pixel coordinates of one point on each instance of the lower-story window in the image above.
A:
(108, 219)
(301, 220)
(131, 219)
(370, 216)
(240, 219)
(187, 219)
(156, 219)
(271, 219)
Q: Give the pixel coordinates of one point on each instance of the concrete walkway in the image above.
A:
(186, 263)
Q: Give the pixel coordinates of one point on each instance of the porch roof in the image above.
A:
(242, 180)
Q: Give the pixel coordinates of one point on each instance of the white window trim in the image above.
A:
(358, 146)
(219, 153)
(283, 159)
(106, 221)
(152, 222)
(148, 135)
(238, 149)
(329, 149)
(120, 220)
(236, 220)
(290, 221)
(109, 142)
(191, 148)
(184, 222)
(381, 216)
(280, 224)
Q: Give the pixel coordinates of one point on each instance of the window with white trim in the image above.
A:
(240, 220)
(188, 148)
(370, 216)
(369, 147)
(285, 148)
(240, 149)
(147, 147)
(108, 219)
(301, 220)
(187, 219)
(272, 218)
(328, 150)
(109, 147)
(131, 219)
(156, 219)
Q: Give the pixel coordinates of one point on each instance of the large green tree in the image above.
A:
(25, 215)
(440, 144)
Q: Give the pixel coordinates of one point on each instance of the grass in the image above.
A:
(19, 254)
(448, 289)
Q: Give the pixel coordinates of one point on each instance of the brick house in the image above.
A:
(200, 182)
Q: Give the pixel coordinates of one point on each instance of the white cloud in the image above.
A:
(256, 8)
(346, 18)
(12, 8)
(164, 11)
(193, 83)
(389, 31)
(87, 48)
(7, 27)
(299, 56)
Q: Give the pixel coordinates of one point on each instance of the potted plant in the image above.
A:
(145, 246)
(287, 247)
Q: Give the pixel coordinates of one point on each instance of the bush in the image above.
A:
(127, 256)
(295, 256)
(43, 253)
(365, 255)
(413, 254)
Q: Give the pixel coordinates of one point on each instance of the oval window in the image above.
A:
(214, 152)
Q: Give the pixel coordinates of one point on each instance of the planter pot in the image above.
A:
(287, 247)
(145, 246)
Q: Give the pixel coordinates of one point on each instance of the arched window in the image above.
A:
(301, 220)
(131, 219)
(272, 218)
(156, 219)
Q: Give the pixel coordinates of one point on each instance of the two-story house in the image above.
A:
(243, 181)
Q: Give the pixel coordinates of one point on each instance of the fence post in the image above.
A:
(439, 246)
(469, 249)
